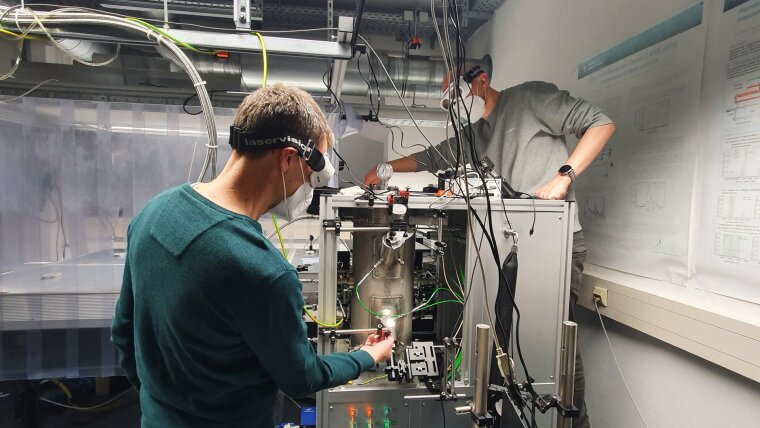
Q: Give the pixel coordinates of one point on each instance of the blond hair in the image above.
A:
(282, 110)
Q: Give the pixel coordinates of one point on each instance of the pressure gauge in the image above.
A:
(384, 173)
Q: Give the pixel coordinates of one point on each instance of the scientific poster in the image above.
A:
(635, 200)
(728, 252)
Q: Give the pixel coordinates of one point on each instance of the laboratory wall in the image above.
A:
(673, 388)
(547, 40)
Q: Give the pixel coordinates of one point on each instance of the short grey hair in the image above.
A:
(282, 110)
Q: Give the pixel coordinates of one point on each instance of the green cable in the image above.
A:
(170, 37)
(279, 235)
(263, 60)
(361, 303)
(321, 323)
(457, 362)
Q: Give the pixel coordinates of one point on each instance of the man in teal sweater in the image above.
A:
(209, 321)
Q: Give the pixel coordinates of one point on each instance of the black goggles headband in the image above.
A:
(473, 73)
(246, 140)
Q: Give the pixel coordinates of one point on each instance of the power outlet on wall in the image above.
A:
(601, 294)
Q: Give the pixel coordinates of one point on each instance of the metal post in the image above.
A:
(453, 380)
(482, 366)
(327, 292)
(166, 14)
(567, 369)
(329, 19)
(446, 383)
(440, 239)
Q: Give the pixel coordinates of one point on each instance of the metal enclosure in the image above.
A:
(542, 296)
(386, 287)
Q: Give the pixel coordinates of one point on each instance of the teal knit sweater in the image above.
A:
(209, 321)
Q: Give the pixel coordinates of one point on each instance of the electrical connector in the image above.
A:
(600, 296)
(506, 365)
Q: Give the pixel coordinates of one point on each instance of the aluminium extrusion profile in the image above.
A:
(245, 43)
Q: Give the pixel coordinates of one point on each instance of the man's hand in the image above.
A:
(554, 189)
(371, 178)
(380, 349)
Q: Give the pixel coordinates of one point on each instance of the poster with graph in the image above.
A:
(728, 251)
(635, 200)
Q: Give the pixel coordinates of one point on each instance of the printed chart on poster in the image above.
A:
(728, 255)
(650, 86)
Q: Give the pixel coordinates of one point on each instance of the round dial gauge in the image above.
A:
(384, 171)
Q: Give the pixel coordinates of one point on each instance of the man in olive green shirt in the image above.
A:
(522, 130)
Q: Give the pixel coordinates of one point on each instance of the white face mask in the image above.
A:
(475, 105)
(295, 205)
(472, 104)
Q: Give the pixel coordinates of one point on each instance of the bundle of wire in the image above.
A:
(454, 54)
(454, 59)
(27, 20)
(454, 65)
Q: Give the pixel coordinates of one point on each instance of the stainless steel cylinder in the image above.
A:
(388, 288)
(482, 366)
(567, 369)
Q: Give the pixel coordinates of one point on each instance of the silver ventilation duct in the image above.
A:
(44, 51)
(416, 78)
(85, 50)
(302, 72)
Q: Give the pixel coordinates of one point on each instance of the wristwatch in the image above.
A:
(567, 170)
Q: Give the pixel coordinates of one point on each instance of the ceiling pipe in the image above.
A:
(419, 78)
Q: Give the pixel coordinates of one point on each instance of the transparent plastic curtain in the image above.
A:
(72, 176)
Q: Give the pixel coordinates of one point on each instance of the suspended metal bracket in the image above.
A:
(345, 33)
(275, 45)
(241, 14)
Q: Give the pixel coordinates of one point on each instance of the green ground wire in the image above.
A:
(170, 37)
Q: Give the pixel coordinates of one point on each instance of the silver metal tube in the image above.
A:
(428, 397)
(567, 369)
(482, 367)
(365, 229)
(354, 331)
(462, 410)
